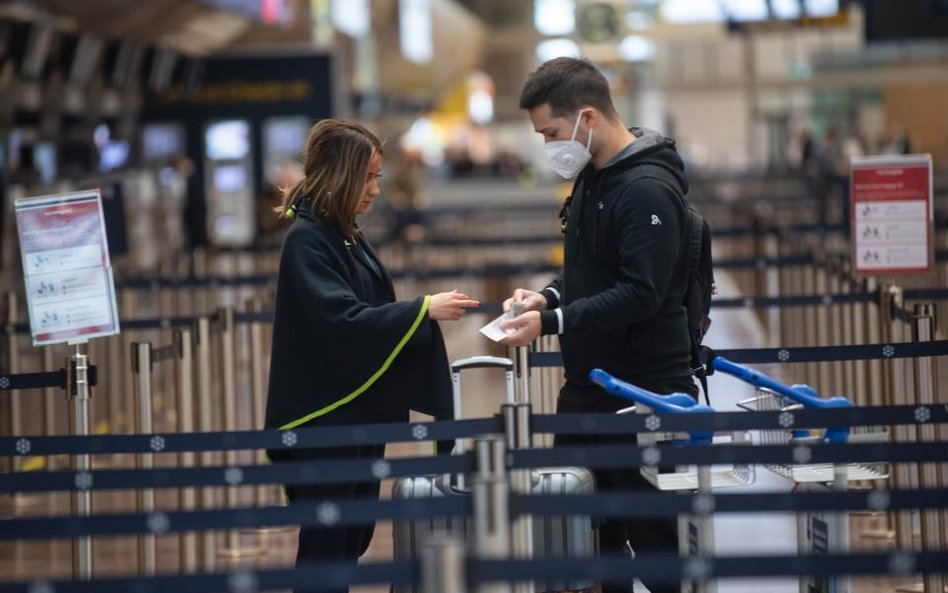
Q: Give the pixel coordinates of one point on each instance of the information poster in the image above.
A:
(892, 214)
(66, 267)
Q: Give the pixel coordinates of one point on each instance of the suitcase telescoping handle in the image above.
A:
(476, 362)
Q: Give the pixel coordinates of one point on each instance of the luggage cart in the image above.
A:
(817, 532)
(695, 532)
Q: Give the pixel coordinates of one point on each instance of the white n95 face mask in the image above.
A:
(568, 157)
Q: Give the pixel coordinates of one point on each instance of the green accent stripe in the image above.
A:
(375, 376)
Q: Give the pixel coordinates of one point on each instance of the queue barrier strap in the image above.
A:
(338, 512)
(670, 568)
(45, 380)
(346, 435)
(347, 471)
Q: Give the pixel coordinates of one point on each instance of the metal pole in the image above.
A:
(258, 377)
(932, 538)
(704, 523)
(202, 350)
(13, 367)
(77, 383)
(442, 565)
(49, 403)
(228, 370)
(490, 495)
(141, 371)
(187, 497)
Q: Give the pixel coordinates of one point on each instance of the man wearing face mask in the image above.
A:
(617, 304)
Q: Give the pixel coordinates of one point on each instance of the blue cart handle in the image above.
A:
(674, 403)
(802, 394)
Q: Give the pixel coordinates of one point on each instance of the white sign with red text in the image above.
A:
(892, 214)
(66, 267)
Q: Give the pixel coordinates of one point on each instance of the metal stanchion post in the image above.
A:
(202, 351)
(225, 319)
(145, 500)
(703, 521)
(490, 495)
(49, 402)
(932, 537)
(13, 366)
(187, 497)
(896, 396)
(77, 389)
(258, 376)
(442, 565)
(518, 436)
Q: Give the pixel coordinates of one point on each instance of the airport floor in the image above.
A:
(483, 393)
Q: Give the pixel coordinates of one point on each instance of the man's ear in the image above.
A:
(590, 116)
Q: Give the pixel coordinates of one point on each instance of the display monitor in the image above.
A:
(113, 155)
(161, 141)
(285, 135)
(227, 140)
(906, 19)
(44, 159)
(230, 178)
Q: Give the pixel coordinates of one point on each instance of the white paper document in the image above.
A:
(492, 330)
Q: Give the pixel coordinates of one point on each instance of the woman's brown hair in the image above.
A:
(335, 169)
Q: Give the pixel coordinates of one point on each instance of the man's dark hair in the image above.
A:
(566, 84)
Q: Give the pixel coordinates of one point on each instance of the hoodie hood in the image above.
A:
(652, 148)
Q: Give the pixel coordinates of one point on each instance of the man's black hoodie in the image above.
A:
(618, 303)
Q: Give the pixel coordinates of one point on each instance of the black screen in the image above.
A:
(906, 19)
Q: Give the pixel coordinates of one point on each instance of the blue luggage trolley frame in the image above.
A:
(817, 532)
(695, 532)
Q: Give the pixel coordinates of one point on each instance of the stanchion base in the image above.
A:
(916, 588)
(239, 553)
(12, 504)
(876, 534)
(268, 530)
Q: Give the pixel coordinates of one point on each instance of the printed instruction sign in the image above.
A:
(892, 214)
(66, 267)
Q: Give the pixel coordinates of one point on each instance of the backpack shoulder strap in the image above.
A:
(696, 227)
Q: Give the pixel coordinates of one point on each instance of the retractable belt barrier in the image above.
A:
(633, 503)
(811, 354)
(341, 436)
(347, 471)
(328, 576)
(49, 379)
(935, 294)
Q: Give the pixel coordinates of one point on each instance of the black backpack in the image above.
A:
(698, 291)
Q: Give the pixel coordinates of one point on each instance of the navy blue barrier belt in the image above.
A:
(322, 513)
(589, 424)
(300, 438)
(636, 503)
(806, 354)
(670, 568)
(335, 471)
(348, 471)
(333, 436)
(49, 379)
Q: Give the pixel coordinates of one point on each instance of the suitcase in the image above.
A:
(553, 536)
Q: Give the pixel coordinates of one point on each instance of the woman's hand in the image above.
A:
(449, 306)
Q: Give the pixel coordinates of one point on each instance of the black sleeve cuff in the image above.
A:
(551, 301)
(549, 322)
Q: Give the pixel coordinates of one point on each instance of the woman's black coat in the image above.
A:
(335, 358)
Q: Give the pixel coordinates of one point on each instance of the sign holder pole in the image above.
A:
(77, 390)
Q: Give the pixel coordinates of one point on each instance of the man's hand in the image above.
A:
(531, 301)
(526, 328)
